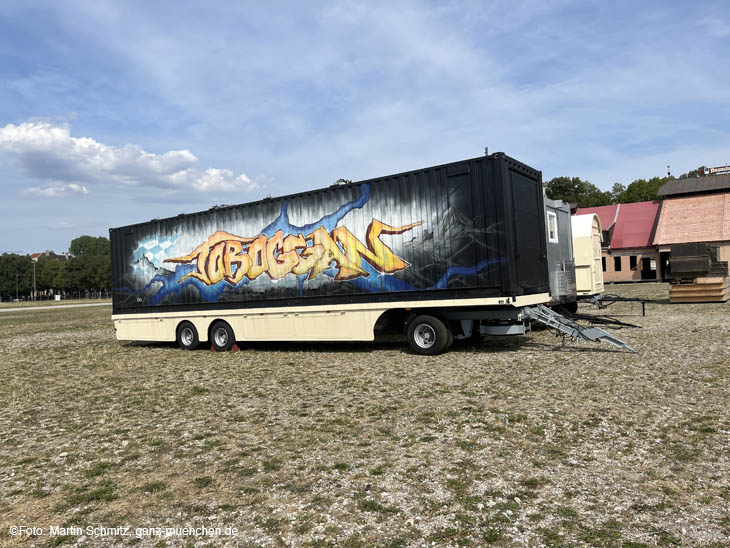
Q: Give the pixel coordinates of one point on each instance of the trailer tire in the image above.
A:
(427, 335)
(221, 336)
(187, 336)
(450, 340)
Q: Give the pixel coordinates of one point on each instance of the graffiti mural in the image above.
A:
(228, 257)
(371, 243)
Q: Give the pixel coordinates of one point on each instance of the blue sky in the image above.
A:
(113, 113)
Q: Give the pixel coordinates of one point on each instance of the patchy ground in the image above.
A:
(517, 442)
(65, 302)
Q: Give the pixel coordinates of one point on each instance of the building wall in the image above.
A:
(723, 253)
(627, 272)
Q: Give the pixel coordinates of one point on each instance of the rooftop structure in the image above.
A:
(695, 185)
(687, 219)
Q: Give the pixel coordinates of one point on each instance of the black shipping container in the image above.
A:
(473, 228)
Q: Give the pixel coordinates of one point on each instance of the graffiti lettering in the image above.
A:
(228, 257)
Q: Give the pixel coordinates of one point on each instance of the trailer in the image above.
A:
(561, 265)
(442, 252)
(587, 239)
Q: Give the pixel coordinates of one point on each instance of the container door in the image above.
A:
(530, 244)
(597, 261)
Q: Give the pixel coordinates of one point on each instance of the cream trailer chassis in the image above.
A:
(345, 322)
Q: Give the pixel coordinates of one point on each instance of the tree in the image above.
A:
(90, 245)
(616, 192)
(90, 269)
(47, 269)
(694, 173)
(574, 190)
(642, 190)
(102, 279)
(60, 280)
(76, 273)
(16, 271)
(87, 272)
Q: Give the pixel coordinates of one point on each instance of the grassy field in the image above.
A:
(24, 304)
(516, 442)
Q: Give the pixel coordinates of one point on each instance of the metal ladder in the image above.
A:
(575, 331)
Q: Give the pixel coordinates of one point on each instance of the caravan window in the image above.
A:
(552, 226)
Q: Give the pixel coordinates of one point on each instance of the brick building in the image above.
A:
(694, 231)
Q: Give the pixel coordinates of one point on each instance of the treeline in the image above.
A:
(574, 190)
(88, 270)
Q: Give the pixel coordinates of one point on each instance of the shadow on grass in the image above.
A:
(286, 346)
(488, 345)
(574, 347)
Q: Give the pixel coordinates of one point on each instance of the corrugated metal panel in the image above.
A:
(471, 228)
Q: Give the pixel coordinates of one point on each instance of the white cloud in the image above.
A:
(46, 151)
(212, 179)
(52, 190)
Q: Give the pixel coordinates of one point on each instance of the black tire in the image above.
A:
(449, 340)
(221, 336)
(428, 336)
(187, 336)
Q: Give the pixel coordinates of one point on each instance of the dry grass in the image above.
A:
(518, 442)
(28, 304)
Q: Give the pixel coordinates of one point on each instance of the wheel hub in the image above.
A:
(221, 337)
(424, 335)
(186, 335)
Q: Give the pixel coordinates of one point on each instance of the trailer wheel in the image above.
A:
(449, 339)
(222, 337)
(187, 336)
(427, 335)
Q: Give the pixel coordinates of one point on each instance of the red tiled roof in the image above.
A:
(635, 225)
(607, 214)
(694, 219)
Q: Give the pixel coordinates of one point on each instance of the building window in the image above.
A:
(552, 226)
(632, 262)
(617, 264)
(603, 263)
